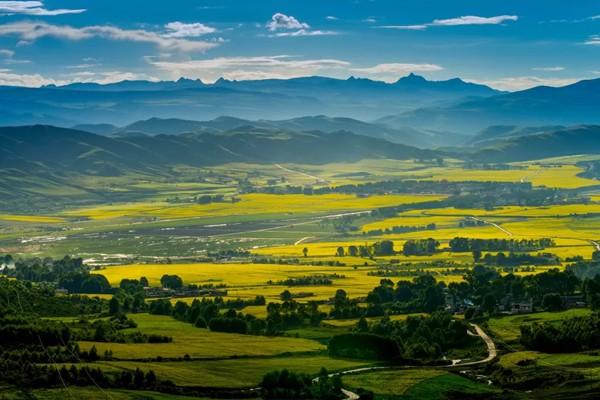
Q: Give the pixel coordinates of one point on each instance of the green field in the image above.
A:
(199, 343)
(507, 328)
(426, 384)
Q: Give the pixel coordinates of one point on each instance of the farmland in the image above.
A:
(252, 254)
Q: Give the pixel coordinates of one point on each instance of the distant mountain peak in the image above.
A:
(412, 77)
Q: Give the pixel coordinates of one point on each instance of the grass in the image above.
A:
(92, 393)
(239, 373)
(422, 384)
(199, 343)
(507, 328)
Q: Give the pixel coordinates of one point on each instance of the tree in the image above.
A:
(305, 251)
(362, 325)
(171, 282)
(150, 378)
(340, 251)
(476, 255)
(553, 302)
(114, 307)
(384, 248)
(489, 303)
(353, 251)
(286, 295)
(144, 281)
(433, 299)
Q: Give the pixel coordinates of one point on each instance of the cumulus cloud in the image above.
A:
(288, 26)
(391, 71)
(240, 68)
(282, 21)
(30, 31)
(32, 8)
(458, 21)
(525, 82)
(181, 30)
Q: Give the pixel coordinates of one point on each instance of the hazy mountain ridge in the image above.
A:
(584, 139)
(124, 102)
(568, 105)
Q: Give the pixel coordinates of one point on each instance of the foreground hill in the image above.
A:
(124, 102)
(42, 148)
(562, 142)
(568, 105)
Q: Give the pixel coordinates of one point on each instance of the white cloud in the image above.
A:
(459, 21)
(106, 77)
(548, 69)
(391, 71)
(282, 21)
(370, 20)
(6, 53)
(240, 68)
(525, 82)
(474, 20)
(178, 29)
(331, 18)
(11, 78)
(33, 8)
(593, 40)
(29, 31)
(291, 27)
(304, 32)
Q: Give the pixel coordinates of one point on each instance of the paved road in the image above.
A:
(316, 178)
(509, 233)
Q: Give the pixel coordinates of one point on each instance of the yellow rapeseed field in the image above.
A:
(250, 204)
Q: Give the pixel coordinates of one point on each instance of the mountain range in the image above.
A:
(573, 104)
(125, 102)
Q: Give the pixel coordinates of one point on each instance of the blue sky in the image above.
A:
(509, 44)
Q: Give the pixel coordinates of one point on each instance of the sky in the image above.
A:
(507, 44)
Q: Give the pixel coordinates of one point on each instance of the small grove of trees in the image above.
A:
(285, 384)
(205, 313)
(569, 335)
(386, 248)
(69, 273)
(416, 338)
(423, 294)
(171, 282)
(421, 247)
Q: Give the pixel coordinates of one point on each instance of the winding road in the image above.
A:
(491, 348)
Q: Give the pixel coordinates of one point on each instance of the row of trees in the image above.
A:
(463, 244)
